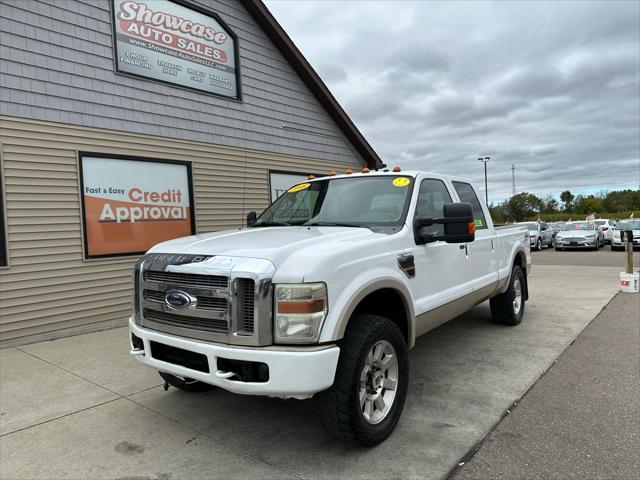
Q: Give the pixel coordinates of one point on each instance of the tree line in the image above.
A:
(527, 206)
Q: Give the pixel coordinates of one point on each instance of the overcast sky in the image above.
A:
(552, 87)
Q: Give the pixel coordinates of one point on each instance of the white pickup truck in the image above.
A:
(326, 292)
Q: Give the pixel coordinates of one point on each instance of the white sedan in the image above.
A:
(579, 235)
(616, 239)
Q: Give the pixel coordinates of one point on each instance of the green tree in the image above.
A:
(621, 201)
(550, 205)
(567, 198)
(587, 205)
(522, 206)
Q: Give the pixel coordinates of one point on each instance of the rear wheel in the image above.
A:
(367, 396)
(539, 245)
(508, 307)
(184, 383)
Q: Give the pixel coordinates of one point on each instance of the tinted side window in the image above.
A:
(466, 194)
(432, 197)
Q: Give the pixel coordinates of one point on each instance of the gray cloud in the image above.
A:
(552, 87)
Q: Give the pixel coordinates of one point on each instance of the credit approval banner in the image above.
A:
(164, 40)
(129, 205)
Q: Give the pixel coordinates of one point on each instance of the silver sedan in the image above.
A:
(579, 235)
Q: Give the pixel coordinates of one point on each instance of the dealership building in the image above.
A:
(124, 123)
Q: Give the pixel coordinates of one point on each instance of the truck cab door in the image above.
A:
(440, 267)
(482, 266)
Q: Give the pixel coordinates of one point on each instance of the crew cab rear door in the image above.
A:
(482, 267)
(440, 268)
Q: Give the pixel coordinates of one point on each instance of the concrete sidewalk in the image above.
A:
(582, 419)
(81, 408)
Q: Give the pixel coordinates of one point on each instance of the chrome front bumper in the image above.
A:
(581, 243)
(296, 372)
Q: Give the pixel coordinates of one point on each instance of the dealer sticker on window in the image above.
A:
(401, 182)
(297, 188)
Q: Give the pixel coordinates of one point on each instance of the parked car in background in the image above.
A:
(606, 226)
(540, 234)
(616, 238)
(555, 227)
(579, 235)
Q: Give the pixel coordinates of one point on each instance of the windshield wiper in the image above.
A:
(331, 224)
(271, 224)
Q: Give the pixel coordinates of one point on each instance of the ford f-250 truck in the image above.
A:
(326, 292)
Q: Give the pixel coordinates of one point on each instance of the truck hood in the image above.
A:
(292, 249)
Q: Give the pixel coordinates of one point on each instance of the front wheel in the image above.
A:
(367, 396)
(539, 245)
(508, 307)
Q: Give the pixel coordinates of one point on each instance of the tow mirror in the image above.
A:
(251, 218)
(459, 226)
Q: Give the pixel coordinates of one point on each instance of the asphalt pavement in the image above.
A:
(586, 258)
(82, 408)
(582, 418)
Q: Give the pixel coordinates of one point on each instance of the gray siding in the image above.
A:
(49, 287)
(56, 64)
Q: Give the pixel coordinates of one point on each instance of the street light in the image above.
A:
(486, 191)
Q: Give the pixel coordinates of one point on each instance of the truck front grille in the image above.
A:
(204, 303)
(206, 324)
(215, 307)
(206, 281)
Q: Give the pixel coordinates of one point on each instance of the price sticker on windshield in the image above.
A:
(297, 188)
(401, 181)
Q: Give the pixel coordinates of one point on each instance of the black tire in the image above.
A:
(340, 409)
(539, 245)
(558, 249)
(502, 306)
(186, 384)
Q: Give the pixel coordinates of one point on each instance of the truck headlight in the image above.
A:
(300, 311)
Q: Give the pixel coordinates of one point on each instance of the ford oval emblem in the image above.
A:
(178, 299)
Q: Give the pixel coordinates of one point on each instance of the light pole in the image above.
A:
(486, 191)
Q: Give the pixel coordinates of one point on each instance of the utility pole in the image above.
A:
(486, 190)
(513, 179)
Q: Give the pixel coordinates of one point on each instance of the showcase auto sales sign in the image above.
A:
(131, 205)
(166, 41)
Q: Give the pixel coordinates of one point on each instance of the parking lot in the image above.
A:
(81, 407)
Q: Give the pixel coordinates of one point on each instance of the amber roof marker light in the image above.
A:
(311, 177)
(397, 169)
(332, 173)
(365, 170)
(348, 171)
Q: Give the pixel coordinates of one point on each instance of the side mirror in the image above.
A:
(459, 226)
(251, 218)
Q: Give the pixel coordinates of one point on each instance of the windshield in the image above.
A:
(358, 202)
(532, 226)
(600, 222)
(578, 226)
(628, 225)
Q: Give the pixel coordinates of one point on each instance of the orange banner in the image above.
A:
(116, 227)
